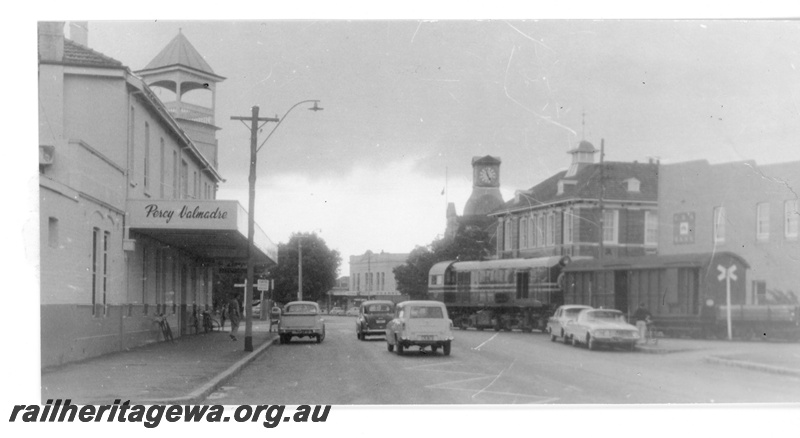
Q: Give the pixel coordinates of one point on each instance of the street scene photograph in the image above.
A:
(418, 216)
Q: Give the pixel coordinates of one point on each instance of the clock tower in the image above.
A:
(485, 195)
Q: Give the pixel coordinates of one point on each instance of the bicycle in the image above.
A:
(166, 330)
(209, 324)
(651, 334)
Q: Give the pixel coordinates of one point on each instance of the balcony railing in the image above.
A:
(188, 111)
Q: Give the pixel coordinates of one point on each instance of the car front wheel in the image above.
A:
(591, 343)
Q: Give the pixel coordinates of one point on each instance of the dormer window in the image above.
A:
(633, 185)
(564, 183)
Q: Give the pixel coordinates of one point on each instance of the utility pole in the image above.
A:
(299, 268)
(254, 127)
(248, 282)
(602, 195)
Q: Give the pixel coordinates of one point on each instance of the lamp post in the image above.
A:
(254, 120)
(299, 268)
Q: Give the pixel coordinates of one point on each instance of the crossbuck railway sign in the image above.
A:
(728, 274)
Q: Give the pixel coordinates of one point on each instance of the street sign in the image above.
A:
(241, 285)
(728, 274)
(263, 285)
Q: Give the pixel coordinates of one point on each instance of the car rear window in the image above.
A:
(300, 308)
(572, 312)
(426, 312)
(605, 316)
(378, 308)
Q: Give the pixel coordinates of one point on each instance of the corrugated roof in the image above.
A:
(180, 51)
(76, 54)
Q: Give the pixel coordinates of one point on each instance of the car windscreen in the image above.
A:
(426, 312)
(300, 308)
(378, 308)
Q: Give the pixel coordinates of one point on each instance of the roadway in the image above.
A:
(487, 367)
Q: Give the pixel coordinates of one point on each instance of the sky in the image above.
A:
(409, 103)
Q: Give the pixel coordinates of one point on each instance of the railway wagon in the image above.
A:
(503, 294)
(686, 293)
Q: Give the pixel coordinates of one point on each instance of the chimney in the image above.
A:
(51, 41)
(79, 32)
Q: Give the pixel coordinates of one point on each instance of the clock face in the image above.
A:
(487, 175)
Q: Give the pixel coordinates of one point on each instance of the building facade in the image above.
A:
(591, 209)
(130, 228)
(741, 207)
(372, 276)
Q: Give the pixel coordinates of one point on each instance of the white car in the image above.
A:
(421, 324)
(565, 313)
(595, 327)
(301, 319)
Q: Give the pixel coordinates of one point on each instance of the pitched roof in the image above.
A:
(180, 51)
(76, 54)
(587, 185)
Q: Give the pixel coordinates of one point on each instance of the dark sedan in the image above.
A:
(373, 317)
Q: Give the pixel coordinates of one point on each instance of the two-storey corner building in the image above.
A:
(130, 227)
(591, 207)
(741, 207)
(372, 276)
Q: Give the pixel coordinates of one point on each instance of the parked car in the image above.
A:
(595, 327)
(336, 311)
(256, 309)
(422, 324)
(373, 317)
(301, 319)
(556, 323)
(353, 311)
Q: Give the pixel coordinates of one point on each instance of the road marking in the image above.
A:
(435, 364)
(445, 385)
(495, 379)
(510, 394)
(478, 348)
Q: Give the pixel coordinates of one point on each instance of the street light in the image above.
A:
(254, 127)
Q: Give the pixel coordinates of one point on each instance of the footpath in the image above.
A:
(180, 372)
(776, 357)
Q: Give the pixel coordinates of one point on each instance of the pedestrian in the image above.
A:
(641, 318)
(274, 317)
(223, 315)
(233, 316)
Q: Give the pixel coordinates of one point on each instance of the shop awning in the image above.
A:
(214, 229)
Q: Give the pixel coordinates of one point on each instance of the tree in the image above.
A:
(469, 243)
(412, 277)
(320, 266)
